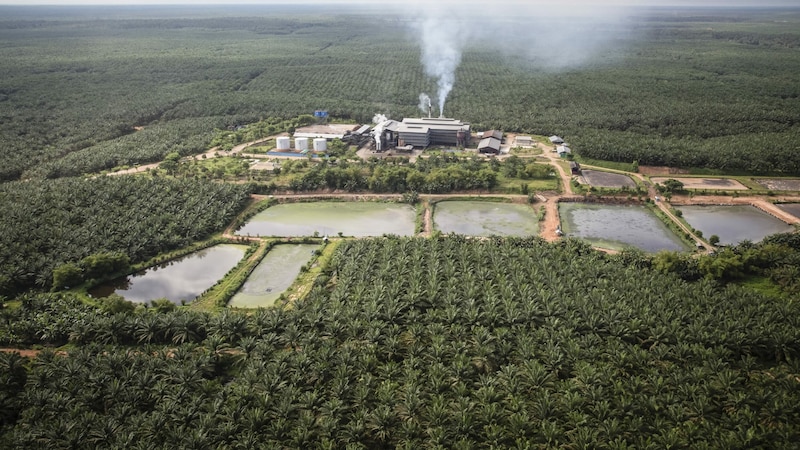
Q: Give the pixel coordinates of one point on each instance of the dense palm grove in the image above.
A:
(699, 89)
(48, 223)
(443, 342)
(425, 343)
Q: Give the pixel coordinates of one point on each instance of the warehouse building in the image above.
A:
(426, 131)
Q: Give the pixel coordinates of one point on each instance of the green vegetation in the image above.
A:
(50, 223)
(564, 347)
(389, 342)
(684, 94)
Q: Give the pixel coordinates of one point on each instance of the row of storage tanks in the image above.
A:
(301, 143)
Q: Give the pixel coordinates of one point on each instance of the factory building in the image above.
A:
(425, 132)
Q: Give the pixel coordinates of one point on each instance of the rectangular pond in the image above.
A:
(477, 218)
(733, 223)
(358, 219)
(180, 280)
(791, 208)
(273, 275)
(618, 226)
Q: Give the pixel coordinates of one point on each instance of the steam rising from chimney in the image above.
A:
(547, 34)
(425, 103)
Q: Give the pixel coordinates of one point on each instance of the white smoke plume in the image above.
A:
(379, 118)
(425, 103)
(547, 34)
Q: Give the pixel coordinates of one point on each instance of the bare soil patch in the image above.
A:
(599, 178)
(779, 184)
(328, 128)
(725, 184)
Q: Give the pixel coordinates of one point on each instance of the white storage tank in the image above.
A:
(282, 143)
(320, 145)
(301, 143)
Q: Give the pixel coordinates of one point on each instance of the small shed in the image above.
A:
(563, 151)
(556, 140)
(489, 145)
(523, 141)
(574, 168)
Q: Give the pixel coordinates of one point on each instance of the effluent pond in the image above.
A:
(273, 275)
(357, 219)
(477, 218)
(733, 224)
(791, 208)
(618, 226)
(180, 280)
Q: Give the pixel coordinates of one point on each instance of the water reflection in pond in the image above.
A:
(733, 224)
(618, 226)
(357, 219)
(476, 218)
(180, 280)
(273, 275)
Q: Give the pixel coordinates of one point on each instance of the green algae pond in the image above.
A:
(618, 226)
(273, 275)
(481, 218)
(357, 219)
(180, 280)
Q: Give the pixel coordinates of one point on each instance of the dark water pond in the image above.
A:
(733, 224)
(791, 208)
(273, 275)
(178, 280)
(618, 226)
(476, 218)
(358, 219)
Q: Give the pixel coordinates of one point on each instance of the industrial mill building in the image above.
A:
(425, 132)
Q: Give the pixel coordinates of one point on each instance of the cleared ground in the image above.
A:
(705, 183)
(779, 184)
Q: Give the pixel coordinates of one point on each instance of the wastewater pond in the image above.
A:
(476, 218)
(357, 219)
(618, 226)
(733, 224)
(791, 208)
(180, 280)
(273, 275)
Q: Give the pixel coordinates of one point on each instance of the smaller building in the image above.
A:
(523, 141)
(556, 140)
(563, 151)
(574, 168)
(489, 145)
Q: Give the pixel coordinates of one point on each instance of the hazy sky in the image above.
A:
(521, 2)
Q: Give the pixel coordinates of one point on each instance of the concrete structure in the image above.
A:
(320, 144)
(282, 143)
(301, 143)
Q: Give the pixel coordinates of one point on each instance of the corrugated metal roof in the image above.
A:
(489, 142)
